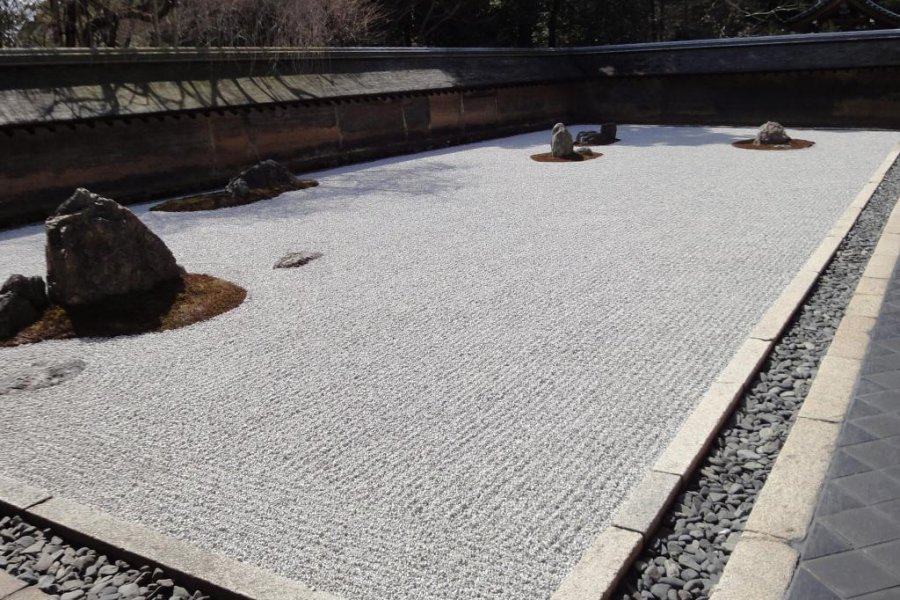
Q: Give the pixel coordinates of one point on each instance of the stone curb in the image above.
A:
(19, 496)
(595, 577)
(12, 588)
(9, 585)
(224, 577)
(784, 509)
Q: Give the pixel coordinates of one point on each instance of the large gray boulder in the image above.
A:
(263, 176)
(97, 248)
(771, 134)
(22, 300)
(561, 143)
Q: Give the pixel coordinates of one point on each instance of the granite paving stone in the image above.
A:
(888, 594)
(843, 463)
(853, 548)
(887, 555)
(834, 500)
(887, 401)
(877, 454)
(805, 586)
(823, 541)
(851, 573)
(853, 434)
(871, 486)
(863, 526)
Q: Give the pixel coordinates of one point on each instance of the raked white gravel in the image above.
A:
(450, 403)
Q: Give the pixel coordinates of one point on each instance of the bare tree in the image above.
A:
(14, 16)
(297, 23)
(115, 23)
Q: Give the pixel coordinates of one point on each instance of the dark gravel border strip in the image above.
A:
(67, 571)
(685, 557)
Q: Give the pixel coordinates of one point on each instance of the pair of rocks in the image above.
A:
(771, 134)
(563, 146)
(96, 248)
(22, 300)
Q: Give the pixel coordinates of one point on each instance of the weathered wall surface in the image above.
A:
(137, 125)
(141, 158)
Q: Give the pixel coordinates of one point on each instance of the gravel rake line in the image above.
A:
(686, 556)
(64, 571)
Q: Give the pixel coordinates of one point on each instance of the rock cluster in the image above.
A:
(263, 176)
(687, 555)
(296, 259)
(606, 136)
(561, 143)
(771, 134)
(22, 300)
(68, 572)
(97, 248)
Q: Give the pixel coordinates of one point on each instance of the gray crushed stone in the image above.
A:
(67, 572)
(685, 558)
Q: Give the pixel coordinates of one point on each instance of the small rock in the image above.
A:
(35, 548)
(660, 590)
(296, 259)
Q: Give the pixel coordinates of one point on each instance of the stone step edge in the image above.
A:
(12, 588)
(598, 572)
(213, 573)
(766, 556)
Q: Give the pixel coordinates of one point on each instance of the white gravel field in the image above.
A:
(449, 404)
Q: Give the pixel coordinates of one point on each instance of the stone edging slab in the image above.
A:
(224, 577)
(785, 506)
(599, 570)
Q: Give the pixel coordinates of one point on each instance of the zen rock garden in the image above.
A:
(429, 324)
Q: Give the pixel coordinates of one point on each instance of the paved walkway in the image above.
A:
(853, 549)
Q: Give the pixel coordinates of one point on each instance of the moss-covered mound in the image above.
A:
(223, 199)
(190, 299)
